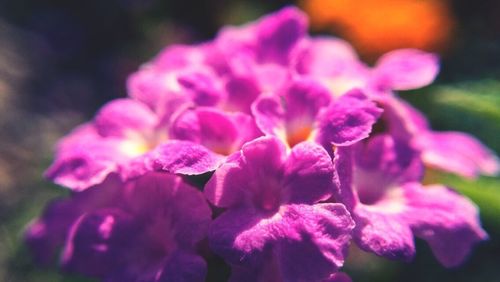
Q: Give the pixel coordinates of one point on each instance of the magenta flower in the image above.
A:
(390, 206)
(309, 148)
(270, 39)
(335, 64)
(450, 151)
(141, 230)
(304, 111)
(273, 211)
(228, 73)
(128, 138)
(177, 76)
(223, 133)
(405, 69)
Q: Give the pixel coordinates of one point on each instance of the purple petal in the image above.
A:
(324, 56)
(127, 230)
(125, 118)
(153, 87)
(183, 266)
(206, 89)
(312, 237)
(161, 91)
(271, 77)
(303, 100)
(315, 242)
(220, 189)
(403, 120)
(81, 134)
(384, 232)
(450, 151)
(448, 221)
(241, 92)
(269, 39)
(164, 193)
(343, 177)
(241, 236)
(348, 120)
(269, 115)
(86, 163)
(333, 63)
(406, 69)
(178, 266)
(210, 128)
(47, 234)
(97, 242)
(156, 83)
(264, 154)
(176, 57)
(220, 132)
(384, 162)
(182, 157)
(457, 152)
(372, 191)
(293, 117)
(254, 176)
(279, 32)
(308, 174)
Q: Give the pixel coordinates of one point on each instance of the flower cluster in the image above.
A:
(295, 145)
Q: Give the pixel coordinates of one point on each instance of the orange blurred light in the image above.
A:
(377, 26)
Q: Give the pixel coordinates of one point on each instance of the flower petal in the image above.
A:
(252, 175)
(292, 114)
(222, 188)
(269, 115)
(343, 177)
(220, 132)
(308, 174)
(183, 266)
(269, 39)
(382, 162)
(125, 118)
(204, 87)
(182, 157)
(383, 233)
(97, 242)
(312, 237)
(187, 209)
(241, 92)
(403, 120)
(314, 241)
(86, 163)
(241, 236)
(406, 69)
(159, 90)
(457, 152)
(348, 120)
(448, 221)
(324, 56)
(175, 57)
(278, 33)
(46, 235)
(304, 98)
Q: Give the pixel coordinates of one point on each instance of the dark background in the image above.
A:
(61, 60)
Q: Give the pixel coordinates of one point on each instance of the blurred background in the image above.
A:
(60, 60)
